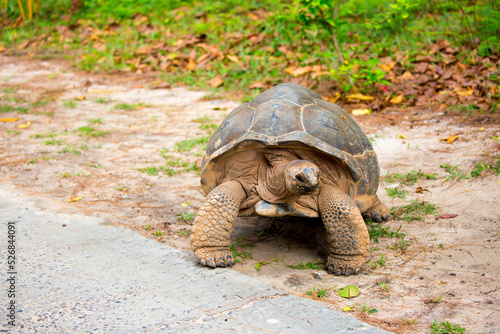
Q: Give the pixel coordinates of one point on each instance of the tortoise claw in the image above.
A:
(214, 257)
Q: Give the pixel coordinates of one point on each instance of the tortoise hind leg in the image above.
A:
(346, 230)
(378, 212)
(213, 225)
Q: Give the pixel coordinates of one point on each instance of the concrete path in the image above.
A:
(80, 274)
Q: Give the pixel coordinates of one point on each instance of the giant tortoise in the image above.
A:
(288, 152)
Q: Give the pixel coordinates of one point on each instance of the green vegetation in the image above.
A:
(88, 131)
(486, 166)
(396, 193)
(366, 309)
(381, 262)
(409, 178)
(444, 327)
(171, 166)
(125, 106)
(189, 144)
(454, 171)
(186, 217)
(236, 45)
(239, 250)
(317, 265)
(70, 104)
(414, 211)
(184, 232)
(317, 292)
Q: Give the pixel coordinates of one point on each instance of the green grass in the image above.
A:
(396, 193)
(316, 265)
(261, 38)
(414, 211)
(189, 144)
(482, 166)
(240, 249)
(89, 131)
(185, 217)
(376, 231)
(454, 171)
(444, 327)
(409, 178)
(171, 166)
(317, 292)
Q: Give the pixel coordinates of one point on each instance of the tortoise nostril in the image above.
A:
(299, 178)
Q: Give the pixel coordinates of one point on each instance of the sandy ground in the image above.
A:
(448, 269)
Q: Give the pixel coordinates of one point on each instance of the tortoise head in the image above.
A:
(301, 177)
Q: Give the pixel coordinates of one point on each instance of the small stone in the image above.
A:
(318, 275)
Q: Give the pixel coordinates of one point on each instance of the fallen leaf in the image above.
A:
(334, 97)
(448, 216)
(161, 85)
(359, 112)
(401, 136)
(216, 82)
(397, 99)
(348, 309)
(24, 126)
(233, 58)
(257, 84)
(420, 190)
(450, 139)
(9, 119)
(185, 204)
(349, 291)
(23, 45)
(298, 71)
(467, 92)
(80, 98)
(343, 117)
(191, 66)
(74, 199)
(144, 50)
(359, 96)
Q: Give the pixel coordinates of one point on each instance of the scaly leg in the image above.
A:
(346, 230)
(213, 225)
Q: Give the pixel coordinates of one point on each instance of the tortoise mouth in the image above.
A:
(307, 189)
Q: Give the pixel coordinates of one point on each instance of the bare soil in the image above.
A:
(448, 269)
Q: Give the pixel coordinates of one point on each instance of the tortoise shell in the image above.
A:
(287, 115)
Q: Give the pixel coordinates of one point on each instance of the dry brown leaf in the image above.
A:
(80, 98)
(298, 71)
(397, 99)
(191, 66)
(359, 96)
(334, 97)
(23, 45)
(468, 92)
(161, 85)
(407, 76)
(448, 216)
(216, 82)
(9, 119)
(144, 50)
(450, 139)
(462, 66)
(74, 199)
(233, 58)
(257, 84)
(420, 190)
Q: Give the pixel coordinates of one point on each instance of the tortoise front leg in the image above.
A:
(213, 225)
(346, 230)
